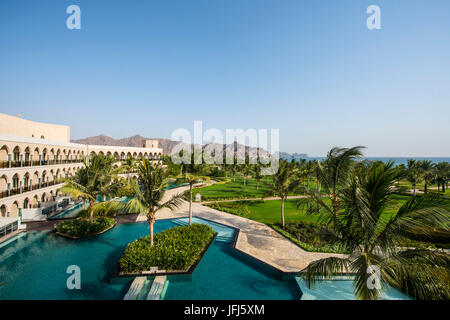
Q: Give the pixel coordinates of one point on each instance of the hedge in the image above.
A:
(173, 249)
(79, 228)
(308, 247)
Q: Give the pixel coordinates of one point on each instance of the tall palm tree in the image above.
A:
(375, 242)
(194, 175)
(234, 170)
(441, 174)
(426, 169)
(309, 171)
(95, 179)
(148, 195)
(334, 175)
(246, 169)
(413, 173)
(128, 166)
(257, 174)
(284, 182)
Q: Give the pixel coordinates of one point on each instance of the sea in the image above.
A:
(396, 160)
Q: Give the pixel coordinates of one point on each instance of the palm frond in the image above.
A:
(325, 269)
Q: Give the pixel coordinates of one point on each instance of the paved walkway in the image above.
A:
(256, 239)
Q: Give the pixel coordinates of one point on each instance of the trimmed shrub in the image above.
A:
(313, 232)
(173, 249)
(79, 228)
(238, 208)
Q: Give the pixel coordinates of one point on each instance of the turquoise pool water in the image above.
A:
(34, 267)
(173, 186)
(71, 212)
(342, 289)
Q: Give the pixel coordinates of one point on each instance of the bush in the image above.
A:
(81, 227)
(174, 249)
(238, 208)
(304, 232)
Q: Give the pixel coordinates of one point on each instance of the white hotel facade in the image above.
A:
(34, 157)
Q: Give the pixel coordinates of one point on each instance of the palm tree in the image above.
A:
(426, 168)
(376, 243)
(441, 174)
(234, 169)
(246, 170)
(128, 166)
(334, 175)
(148, 195)
(284, 182)
(95, 179)
(413, 173)
(309, 171)
(193, 176)
(401, 173)
(257, 174)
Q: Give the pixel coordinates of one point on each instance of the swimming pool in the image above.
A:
(341, 288)
(34, 267)
(71, 212)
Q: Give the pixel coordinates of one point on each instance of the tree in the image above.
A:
(192, 175)
(426, 169)
(441, 174)
(128, 166)
(334, 174)
(378, 244)
(284, 182)
(95, 179)
(148, 196)
(234, 169)
(257, 174)
(413, 173)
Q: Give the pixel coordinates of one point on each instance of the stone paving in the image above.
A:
(255, 239)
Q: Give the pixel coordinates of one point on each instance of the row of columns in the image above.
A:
(20, 187)
(42, 159)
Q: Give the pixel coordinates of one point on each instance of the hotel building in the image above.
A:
(34, 157)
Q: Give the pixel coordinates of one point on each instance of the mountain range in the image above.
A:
(166, 144)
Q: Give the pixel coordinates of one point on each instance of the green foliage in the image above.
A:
(82, 228)
(96, 179)
(226, 188)
(329, 248)
(173, 249)
(125, 191)
(374, 240)
(104, 209)
(239, 208)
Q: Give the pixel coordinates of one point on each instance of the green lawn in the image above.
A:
(421, 186)
(237, 189)
(234, 189)
(269, 212)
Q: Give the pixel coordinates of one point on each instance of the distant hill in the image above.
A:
(288, 156)
(166, 144)
(134, 141)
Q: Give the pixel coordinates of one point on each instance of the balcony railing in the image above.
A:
(19, 164)
(16, 191)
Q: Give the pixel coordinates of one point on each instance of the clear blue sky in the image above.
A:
(310, 68)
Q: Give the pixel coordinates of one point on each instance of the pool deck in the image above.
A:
(255, 239)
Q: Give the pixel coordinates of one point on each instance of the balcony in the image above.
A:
(16, 191)
(25, 163)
